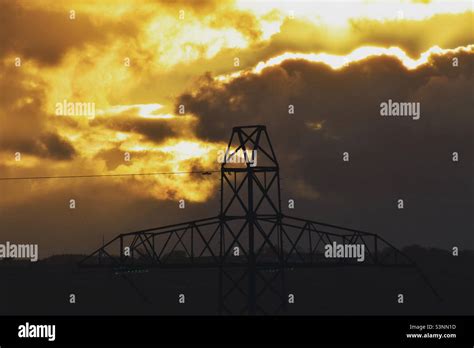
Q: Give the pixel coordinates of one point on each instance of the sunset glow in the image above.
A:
(132, 61)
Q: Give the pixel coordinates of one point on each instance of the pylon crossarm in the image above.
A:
(168, 245)
(168, 228)
(96, 252)
(323, 224)
(299, 236)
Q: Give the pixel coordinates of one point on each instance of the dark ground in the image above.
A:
(43, 288)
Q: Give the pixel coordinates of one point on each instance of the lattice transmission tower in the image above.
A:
(250, 242)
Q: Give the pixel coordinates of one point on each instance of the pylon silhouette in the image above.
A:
(251, 242)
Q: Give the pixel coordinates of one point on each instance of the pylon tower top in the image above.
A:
(250, 181)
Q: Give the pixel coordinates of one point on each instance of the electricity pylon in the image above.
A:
(251, 242)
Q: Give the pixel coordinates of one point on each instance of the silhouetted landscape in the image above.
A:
(43, 288)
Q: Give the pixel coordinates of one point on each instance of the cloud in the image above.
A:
(244, 22)
(156, 130)
(413, 36)
(46, 145)
(46, 35)
(390, 158)
(416, 36)
(197, 6)
(24, 123)
(55, 147)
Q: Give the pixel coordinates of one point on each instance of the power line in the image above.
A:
(204, 172)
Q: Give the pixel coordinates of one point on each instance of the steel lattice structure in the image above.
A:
(251, 242)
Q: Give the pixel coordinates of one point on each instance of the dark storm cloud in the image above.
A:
(54, 146)
(47, 145)
(47, 35)
(339, 111)
(156, 130)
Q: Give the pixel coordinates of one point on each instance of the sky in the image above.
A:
(169, 79)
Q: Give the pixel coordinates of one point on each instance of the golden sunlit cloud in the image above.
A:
(142, 110)
(338, 61)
